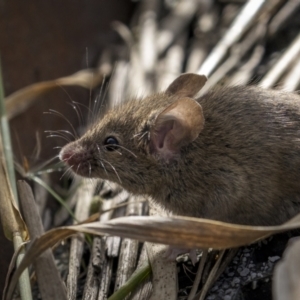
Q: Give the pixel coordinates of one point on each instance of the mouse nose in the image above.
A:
(71, 155)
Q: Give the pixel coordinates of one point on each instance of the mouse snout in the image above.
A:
(71, 155)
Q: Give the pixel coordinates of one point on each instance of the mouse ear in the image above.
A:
(178, 125)
(187, 85)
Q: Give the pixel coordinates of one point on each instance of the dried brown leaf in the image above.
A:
(175, 231)
(19, 101)
(11, 218)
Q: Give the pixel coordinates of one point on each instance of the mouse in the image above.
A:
(232, 154)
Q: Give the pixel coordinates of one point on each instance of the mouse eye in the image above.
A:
(111, 143)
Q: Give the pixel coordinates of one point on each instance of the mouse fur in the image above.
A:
(231, 155)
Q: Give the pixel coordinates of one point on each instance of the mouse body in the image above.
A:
(231, 155)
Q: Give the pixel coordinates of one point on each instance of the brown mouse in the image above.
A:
(231, 155)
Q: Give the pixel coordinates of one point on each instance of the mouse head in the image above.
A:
(133, 140)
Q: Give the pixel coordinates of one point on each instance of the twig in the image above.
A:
(283, 63)
(129, 248)
(241, 23)
(236, 55)
(289, 8)
(212, 276)
(198, 275)
(292, 80)
(172, 64)
(174, 24)
(8, 166)
(83, 198)
(245, 73)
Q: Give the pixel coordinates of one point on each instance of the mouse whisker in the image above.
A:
(78, 112)
(66, 172)
(114, 169)
(61, 131)
(122, 147)
(54, 112)
(140, 135)
(129, 151)
(60, 136)
(78, 167)
(100, 159)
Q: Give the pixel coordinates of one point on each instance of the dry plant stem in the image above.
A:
(13, 226)
(83, 197)
(164, 280)
(196, 57)
(144, 290)
(175, 23)
(292, 80)
(6, 140)
(93, 276)
(113, 243)
(241, 23)
(286, 274)
(198, 275)
(118, 83)
(245, 73)
(129, 248)
(24, 282)
(106, 275)
(138, 86)
(212, 276)
(226, 261)
(164, 272)
(280, 19)
(147, 40)
(238, 51)
(97, 284)
(172, 63)
(62, 215)
(40, 195)
(45, 268)
(105, 64)
(283, 63)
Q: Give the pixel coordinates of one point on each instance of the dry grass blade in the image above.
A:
(283, 63)
(238, 27)
(19, 101)
(174, 231)
(11, 218)
(45, 268)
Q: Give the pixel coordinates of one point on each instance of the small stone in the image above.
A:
(215, 288)
(273, 258)
(244, 272)
(236, 281)
(225, 285)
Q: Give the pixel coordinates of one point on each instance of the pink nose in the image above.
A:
(70, 156)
